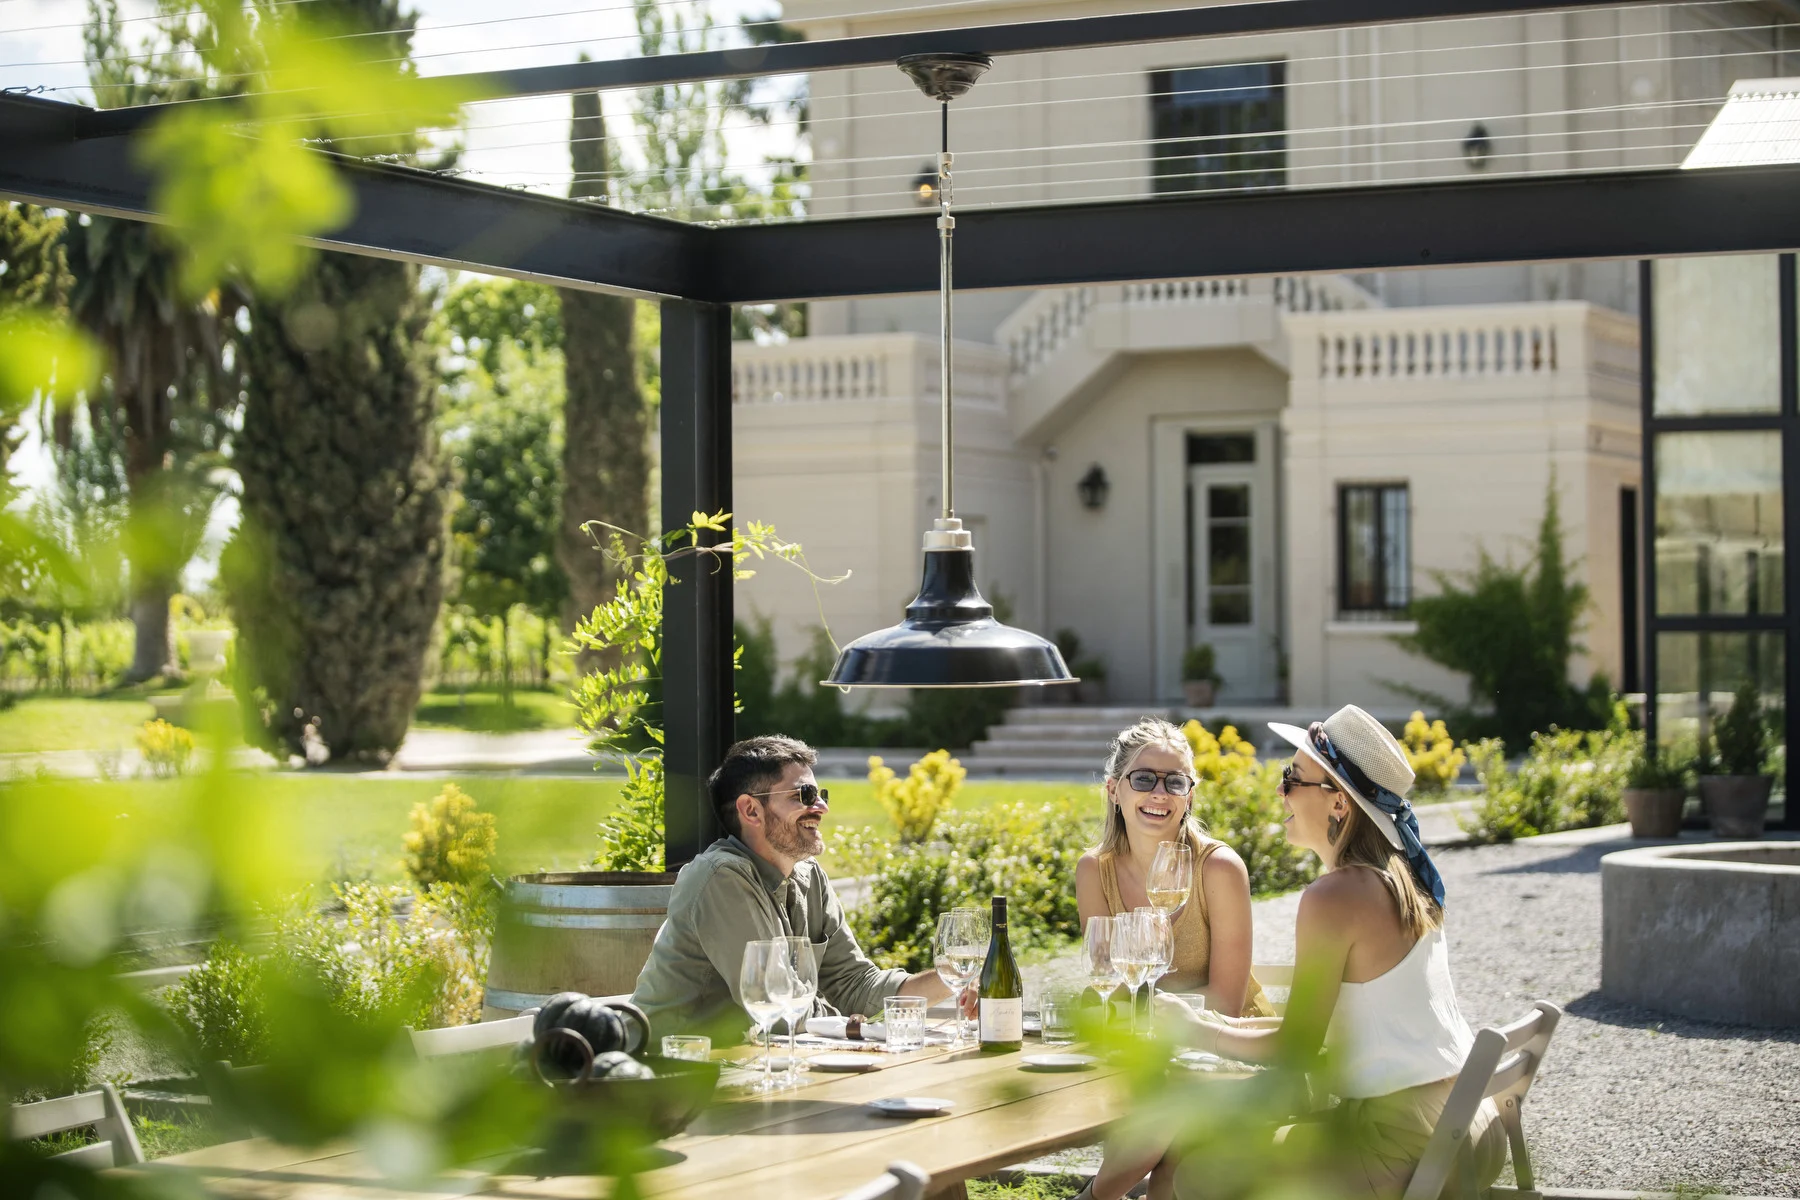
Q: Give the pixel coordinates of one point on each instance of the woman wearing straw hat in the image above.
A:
(1372, 973)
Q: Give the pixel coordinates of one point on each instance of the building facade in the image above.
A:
(1270, 466)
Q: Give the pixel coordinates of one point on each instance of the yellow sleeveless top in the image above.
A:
(1192, 966)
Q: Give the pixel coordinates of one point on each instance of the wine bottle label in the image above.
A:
(1002, 1020)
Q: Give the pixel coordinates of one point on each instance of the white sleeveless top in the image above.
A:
(1400, 1029)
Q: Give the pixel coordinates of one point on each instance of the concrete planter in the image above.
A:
(1736, 804)
(1199, 693)
(1655, 812)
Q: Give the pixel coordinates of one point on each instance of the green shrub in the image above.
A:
(1433, 754)
(913, 803)
(219, 1006)
(1571, 779)
(1199, 664)
(169, 749)
(1023, 851)
(1740, 737)
(631, 835)
(451, 841)
(1659, 770)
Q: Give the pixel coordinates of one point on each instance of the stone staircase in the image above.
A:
(1070, 741)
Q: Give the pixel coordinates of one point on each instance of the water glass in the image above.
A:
(904, 1019)
(1058, 1016)
(693, 1047)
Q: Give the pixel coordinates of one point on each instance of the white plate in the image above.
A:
(1059, 1062)
(845, 1062)
(911, 1106)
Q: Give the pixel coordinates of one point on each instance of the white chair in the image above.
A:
(117, 1143)
(903, 1181)
(1277, 976)
(1501, 1065)
(470, 1039)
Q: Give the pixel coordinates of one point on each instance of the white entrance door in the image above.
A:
(1231, 602)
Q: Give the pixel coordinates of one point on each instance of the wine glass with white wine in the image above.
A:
(1170, 882)
(1131, 954)
(1158, 933)
(1102, 968)
(767, 986)
(958, 952)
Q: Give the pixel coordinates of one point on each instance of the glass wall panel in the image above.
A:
(1718, 335)
(1718, 523)
(1697, 674)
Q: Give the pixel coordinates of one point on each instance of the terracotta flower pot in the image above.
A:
(1655, 812)
(1736, 804)
(1199, 693)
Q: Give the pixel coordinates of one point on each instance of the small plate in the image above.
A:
(845, 1062)
(911, 1106)
(1059, 1062)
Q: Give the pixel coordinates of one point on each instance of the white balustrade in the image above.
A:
(861, 367)
(1435, 347)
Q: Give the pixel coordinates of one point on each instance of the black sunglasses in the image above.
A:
(1290, 779)
(1173, 782)
(810, 795)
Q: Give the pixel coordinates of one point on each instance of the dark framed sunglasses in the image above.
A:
(809, 795)
(1290, 779)
(1173, 782)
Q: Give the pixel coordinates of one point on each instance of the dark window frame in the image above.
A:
(1391, 598)
(1203, 139)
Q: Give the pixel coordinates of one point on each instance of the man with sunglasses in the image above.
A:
(760, 881)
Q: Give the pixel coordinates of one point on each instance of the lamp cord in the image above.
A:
(946, 224)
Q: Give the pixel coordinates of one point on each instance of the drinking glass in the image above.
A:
(805, 964)
(958, 952)
(767, 985)
(1058, 1016)
(1171, 878)
(695, 1047)
(903, 1018)
(1131, 954)
(1158, 933)
(1102, 968)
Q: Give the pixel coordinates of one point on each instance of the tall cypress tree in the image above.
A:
(336, 573)
(606, 461)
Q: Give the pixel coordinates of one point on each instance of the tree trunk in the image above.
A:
(606, 426)
(152, 542)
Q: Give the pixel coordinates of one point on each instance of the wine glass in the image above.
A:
(1102, 967)
(1158, 932)
(1171, 878)
(958, 952)
(1132, 956)
(767, 985)
(804, 962)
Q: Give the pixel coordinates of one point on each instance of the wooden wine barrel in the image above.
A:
(574, 931)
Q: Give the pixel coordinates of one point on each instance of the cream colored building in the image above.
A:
(1289, 459)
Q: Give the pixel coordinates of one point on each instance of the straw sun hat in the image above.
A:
(1362, 746)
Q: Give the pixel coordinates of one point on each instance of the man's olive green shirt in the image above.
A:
(726, 898)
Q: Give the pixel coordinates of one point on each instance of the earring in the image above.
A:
(1334, 828)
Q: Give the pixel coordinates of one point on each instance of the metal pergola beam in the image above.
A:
(50, 159)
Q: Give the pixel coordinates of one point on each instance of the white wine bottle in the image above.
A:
(1002, 989)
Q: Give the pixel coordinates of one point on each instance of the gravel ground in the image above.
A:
(1626, 1099)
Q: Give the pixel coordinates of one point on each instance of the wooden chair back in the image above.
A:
(1501, 1066)
(116, 1142)
(470, 1039)
(903, 1181)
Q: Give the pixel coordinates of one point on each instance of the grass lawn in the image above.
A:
(339, 824)
(73, 723)
(483, 712)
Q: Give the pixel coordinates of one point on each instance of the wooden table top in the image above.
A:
(813, 1142)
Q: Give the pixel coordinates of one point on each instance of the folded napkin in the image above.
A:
(853, 1029)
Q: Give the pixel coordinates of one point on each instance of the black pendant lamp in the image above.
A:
(949, 637)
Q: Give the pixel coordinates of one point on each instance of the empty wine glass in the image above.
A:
(804, 962)
(767, 985)
(958, 952)
(1158, 932)
(1171, 878)
(1131, 953)
(1102, 967)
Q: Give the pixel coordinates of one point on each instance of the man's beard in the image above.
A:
(794, 839)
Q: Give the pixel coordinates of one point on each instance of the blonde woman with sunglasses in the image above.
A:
(1149, 794)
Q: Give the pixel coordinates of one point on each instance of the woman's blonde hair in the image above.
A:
(1124, 751)
(1361, 844)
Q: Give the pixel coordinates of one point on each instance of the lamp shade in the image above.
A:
(949, 639)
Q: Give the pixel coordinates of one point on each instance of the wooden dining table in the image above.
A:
(813, 1141)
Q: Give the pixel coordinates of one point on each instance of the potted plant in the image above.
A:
(1733, 789)
(1199, 676)
(1655, 792)
(1090, 670)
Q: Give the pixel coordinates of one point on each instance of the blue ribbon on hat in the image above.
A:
(1394, 805)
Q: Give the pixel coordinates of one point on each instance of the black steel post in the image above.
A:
(696, 656)
(1647, 489)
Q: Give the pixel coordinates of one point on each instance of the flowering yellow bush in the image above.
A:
(451, 841)
(1435, 757)
(915, 802)
(167, 748)
(1222, 759)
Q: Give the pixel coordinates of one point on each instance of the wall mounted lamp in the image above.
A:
(1478, 147)
(1094, 487)
(925, 187)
